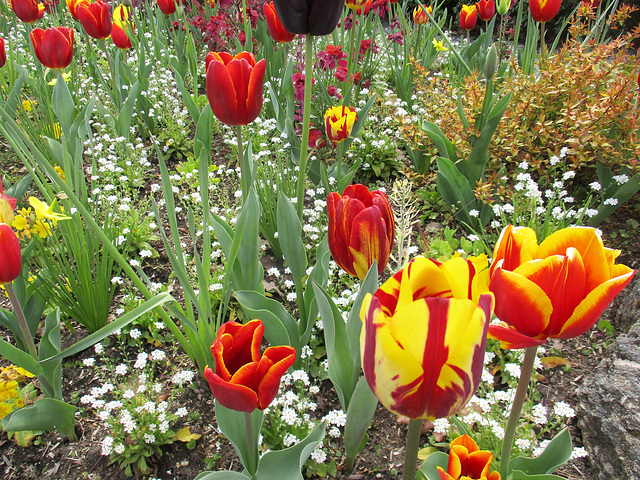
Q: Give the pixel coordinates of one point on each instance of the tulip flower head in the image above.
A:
(361, 229)
(419, 15)
(121, 25)
(424, 336)
(486, 9)
(244, 379)
(503, 6)
(73, 5)
(274, 25)
(557, 289)
(234, 86)
(544, 10)
(355, 4)
(338, 122)
(468, 17)
(168, 7)
(467, 461)
(95, 19)
(3, 55)
(53, 46)
(27, 10)
(7, 206)
(314, 17)
(10, 254)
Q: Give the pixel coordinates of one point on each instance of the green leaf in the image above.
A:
(203, 133)
(124, 117)
(46, 414)
(359, 415)
(444, 145)
(456, 191)
(286, 464)
(557, 452)
(519, 475)
(20, 358)
(320, 275)
(436, 459)
(222, 475)
(50, 346)
(362, 116)
(290, 238)
(354, 324)
(62, 104)
(232, 424)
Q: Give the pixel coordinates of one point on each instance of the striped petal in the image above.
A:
(515, 246)
(368, 242)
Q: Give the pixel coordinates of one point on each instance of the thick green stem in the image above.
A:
(306, 121)
(248, 428)
(543, 45)
(22, 321)
(521, 394)
(413, 444)
(244, 181)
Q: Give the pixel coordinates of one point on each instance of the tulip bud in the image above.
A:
(53, 46)
(502, 6)
(10, 254)
(3, 53)
(491, 63)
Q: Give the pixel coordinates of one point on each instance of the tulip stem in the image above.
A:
(253, 452)
(411, 454)
(243, 170)
(306, 120)
(26, 333)
(521, 394)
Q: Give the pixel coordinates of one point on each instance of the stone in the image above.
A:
(609, 409)
(625, 309)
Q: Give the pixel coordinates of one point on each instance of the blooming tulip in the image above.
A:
(467, 461)
(424, 336)
(167, 7)
(468, 17)
(27, 10)
(355, 4)
(234, 86)
(73, 5)
(419, 15)
(243, 379)
(10, 255)
(366, 9)
(53, 46)
(120, 26)
(558, 289)
(338, 122)
(95, 19)
(486, 9)
(315, 17)
(361, 229)
(274, 25)
(7, 206)
(3, 55)
(544, 10)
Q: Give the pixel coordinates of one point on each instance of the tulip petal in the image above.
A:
(254, 100)
(477, 463)
(515, 246)
(466, 441)
(521, 301)
(222, 93)
(233, 396)
(510, 338)
(273, 364)
(590, 309)
(368, 241)
(444, 475)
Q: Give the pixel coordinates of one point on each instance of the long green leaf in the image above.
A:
(46, 414)
(359, 415)
(354, 325)
(20, 358)
(232, 424)
(290, 238)
(557, 453)
(62, 103)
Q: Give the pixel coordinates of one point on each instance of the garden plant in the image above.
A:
(255, 234)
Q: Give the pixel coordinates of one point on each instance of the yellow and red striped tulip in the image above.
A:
(244, 379)
(53, 46)
(468, 17)
(424, 336)
(73, 5)
(95, 19)
(544, 10)
(234, 86)
(27, 10)
(7, 205)
(468, 462)
(557, 289)
(419, 15)
(361, 229)
(338, 122)
(10, 254)
(274, 25)
(355, 4)
(121, 25)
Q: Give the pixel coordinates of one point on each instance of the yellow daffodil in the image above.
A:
(439, 45)
(46, 211)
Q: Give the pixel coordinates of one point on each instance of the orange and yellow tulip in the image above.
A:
(53, 46)
(557, 289)
(10, 254)
(120, 26)
(244, 379)
(27, 10)
(424, 336)
(274, 25)
(95, 19)
(338, 122)
(544, 10)
(355, 4)
(468, 462)
(361, 229)
(234, 86)
(468, 17)
(419, 15)
(73, 5)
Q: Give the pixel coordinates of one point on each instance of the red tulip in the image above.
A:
(53, 46)
(73, 5)
(274, 25)
(486, 9)
(364, 10)
(120, 26)
(234, 86)
(10, 254)
(544, 10)
(361, 229)
(95, 19)
(468, 17)
(27, 10)
(243, 379)
(167, 7)
(3, 55)
(557, 289)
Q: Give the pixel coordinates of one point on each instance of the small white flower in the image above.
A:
(595, 186)
(611, 201)
(158, 355)
(181, 412)
(89, 362)
(474, 213)
(620, 179)
(135, 333)
(554, 161)
(98, 348)
(579, 452)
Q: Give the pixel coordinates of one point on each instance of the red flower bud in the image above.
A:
(486, 9)
(27, 10)
(53, 46)
(95, 19)
(468, 17)
(544, 10)
(274, 25)
(10, 254)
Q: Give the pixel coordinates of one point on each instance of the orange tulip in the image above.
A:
(557, 289)
(10, 254)
(274, 25)
(234, 86)
(53, 46)
(468, 17)
(27, 10)
(468, 462)
(95, 19)
(544, 10)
